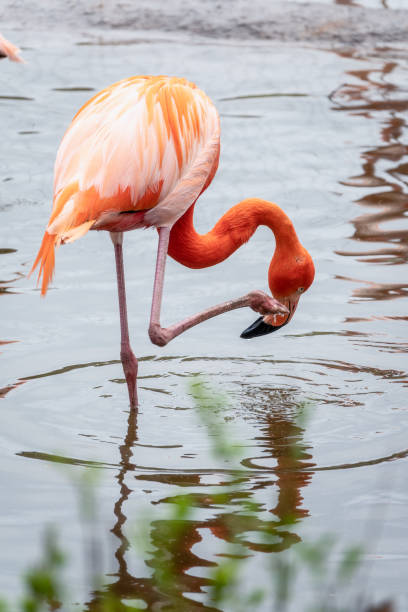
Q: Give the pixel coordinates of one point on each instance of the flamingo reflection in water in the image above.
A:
(139, 154)
(228, 518)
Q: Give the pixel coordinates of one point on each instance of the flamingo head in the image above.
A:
(290, 274)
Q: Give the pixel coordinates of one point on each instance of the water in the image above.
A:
(376, 4)
(324, 135)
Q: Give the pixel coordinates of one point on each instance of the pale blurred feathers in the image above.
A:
(7, 49)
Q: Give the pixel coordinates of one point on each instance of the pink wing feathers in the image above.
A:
(7, 49)
(144, 143)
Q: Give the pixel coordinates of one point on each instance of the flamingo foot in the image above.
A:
(269, 308)
(130, 367)
(266, 304)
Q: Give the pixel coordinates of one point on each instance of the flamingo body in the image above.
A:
(139, 154)
(146, 144)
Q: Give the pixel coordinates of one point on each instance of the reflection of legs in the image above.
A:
(257, 300)
(129, 361)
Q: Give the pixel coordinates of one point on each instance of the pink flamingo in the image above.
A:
(139, 154)
(7, 49)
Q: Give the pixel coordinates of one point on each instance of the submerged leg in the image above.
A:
(129, 361)
(257, 300)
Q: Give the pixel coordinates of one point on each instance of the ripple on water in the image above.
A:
(375, 94)
(262, 391)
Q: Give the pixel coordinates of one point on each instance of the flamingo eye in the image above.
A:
(301, 289)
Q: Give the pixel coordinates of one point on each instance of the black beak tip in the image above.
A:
(258, 328)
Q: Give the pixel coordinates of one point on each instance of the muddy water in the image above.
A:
(324, 135)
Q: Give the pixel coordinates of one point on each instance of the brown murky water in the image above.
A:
(324, 135)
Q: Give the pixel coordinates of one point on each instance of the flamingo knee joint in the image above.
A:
(158, 335)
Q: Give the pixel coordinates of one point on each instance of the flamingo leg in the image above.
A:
(257, 300)
(127, 357)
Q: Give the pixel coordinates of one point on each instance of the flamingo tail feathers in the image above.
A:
(46, 254)
(46, 259)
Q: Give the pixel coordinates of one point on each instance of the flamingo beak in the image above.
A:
(265, 324)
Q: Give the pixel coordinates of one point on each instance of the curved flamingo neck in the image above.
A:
(229, 233)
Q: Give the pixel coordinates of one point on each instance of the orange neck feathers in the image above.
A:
(291, 263)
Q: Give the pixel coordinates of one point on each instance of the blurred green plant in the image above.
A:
(42, 584)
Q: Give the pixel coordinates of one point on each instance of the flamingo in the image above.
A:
(7, 49)
(139, 154)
